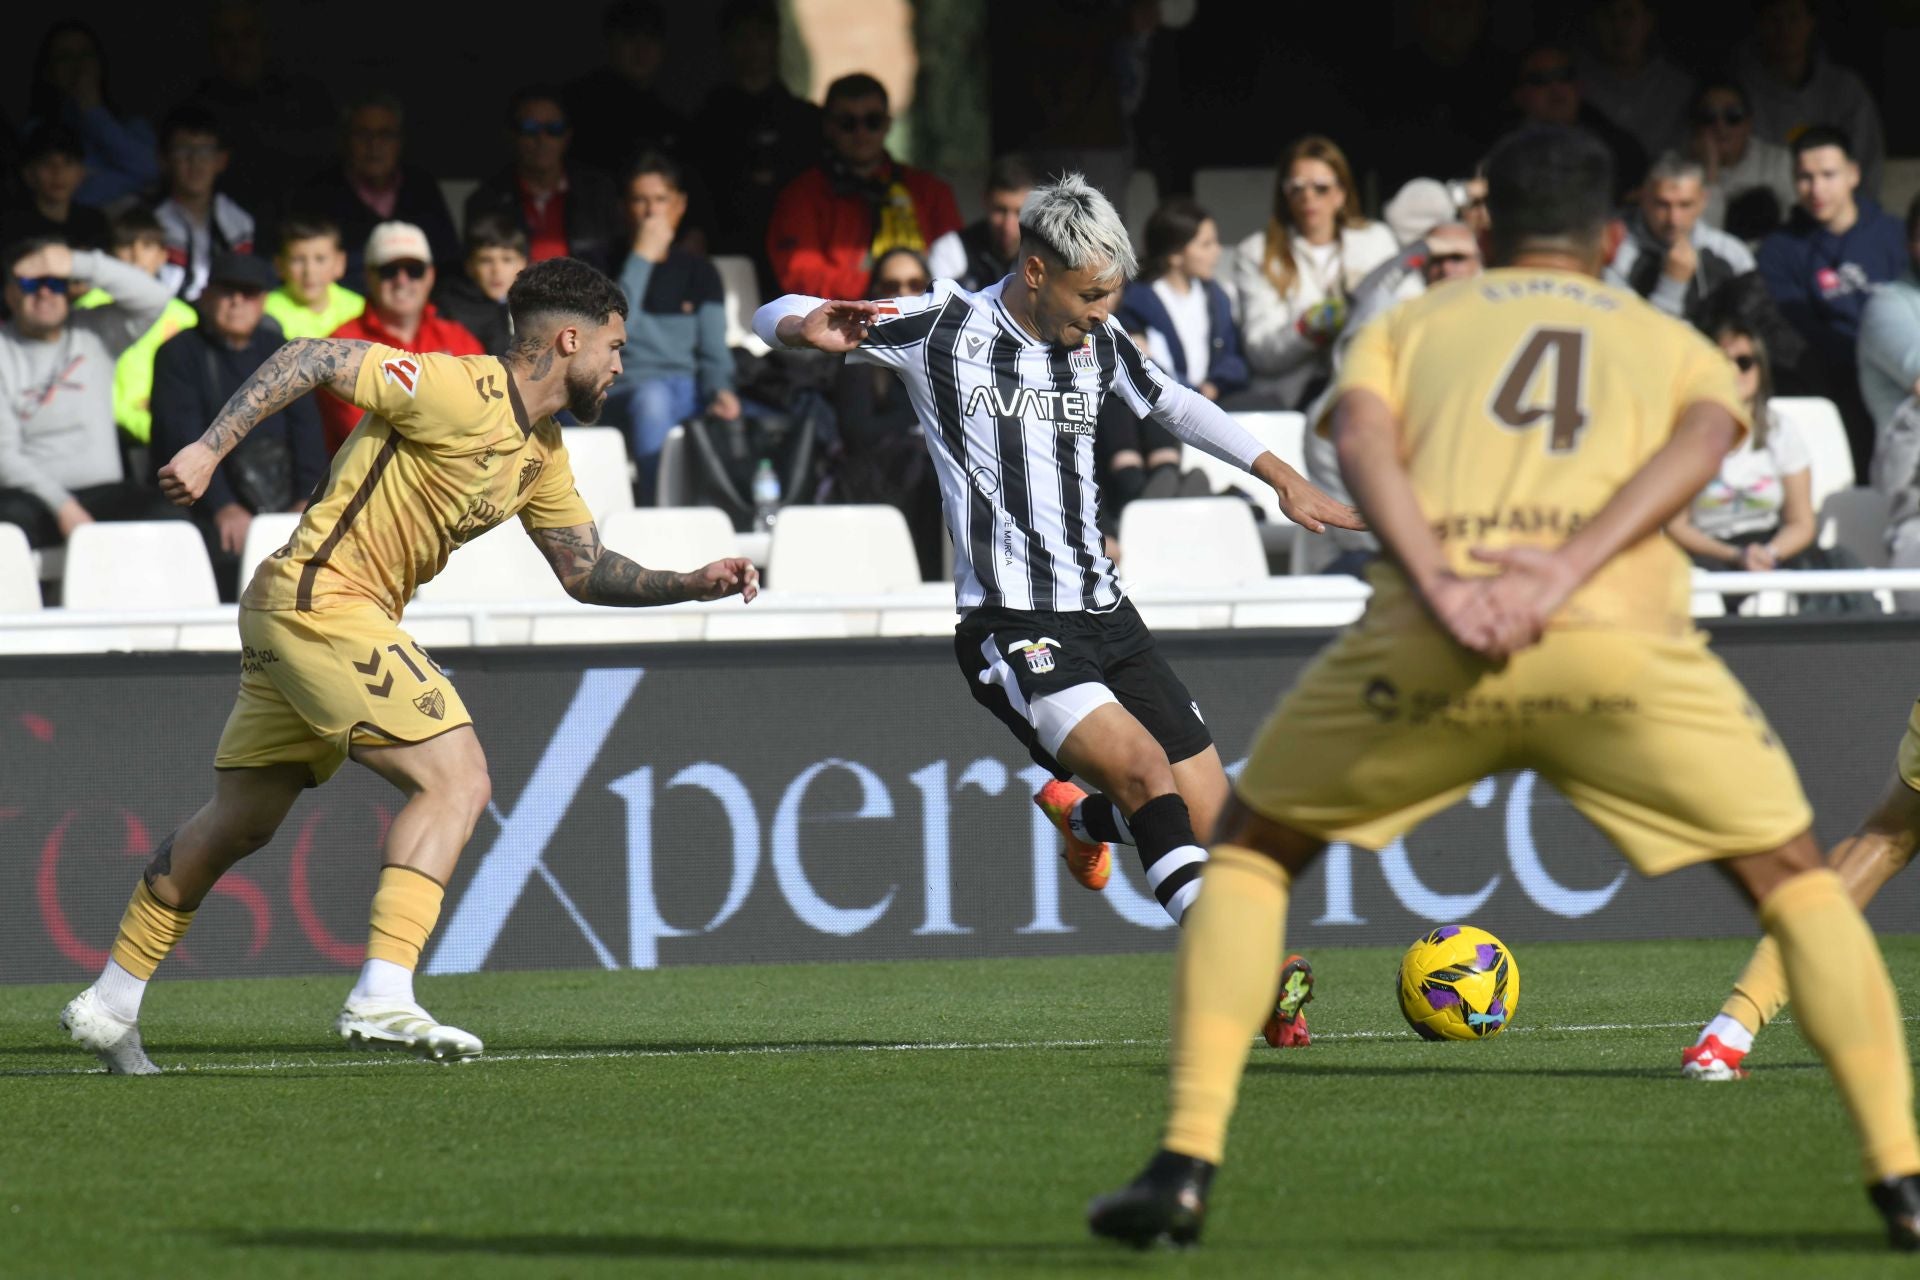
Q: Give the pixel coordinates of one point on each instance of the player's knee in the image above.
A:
(472, 792)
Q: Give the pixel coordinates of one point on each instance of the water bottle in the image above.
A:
(766, 495)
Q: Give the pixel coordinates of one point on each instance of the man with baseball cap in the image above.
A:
(399, 279)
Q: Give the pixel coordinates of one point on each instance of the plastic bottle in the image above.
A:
(766, 495)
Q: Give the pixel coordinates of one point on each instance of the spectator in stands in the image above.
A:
(1670, 256)
(277, 123)
(399, 279)
(1175, 308)
(310, 302)
(1889, 349)
(282, 460)
(755, 136)
(1821, 267)
(477, 298)
(1757, 514)
(566, 211)
(60, 465)
(615, 107)
(833, 222)
(52, 167)
(70, 88)
(882, 457)
(1296, 278)
(1749, 179)
(982, 252)
(1449, 94)
(1629, 81)
(200, 220)
(371, 185)
(676, 362)
(1547, 91)
(1793, 86)
(135, 238)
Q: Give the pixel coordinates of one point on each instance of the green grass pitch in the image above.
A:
(924, 1119)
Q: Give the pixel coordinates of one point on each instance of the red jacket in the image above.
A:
(820, 240)
(437, 333)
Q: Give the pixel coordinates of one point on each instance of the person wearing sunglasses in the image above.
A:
(1670, 256)
(1295, 280)
(833, 222)
(400, 280)
(566, 210)
(1546, 90)
(60, 460)
(200, 219)
(1749, 179)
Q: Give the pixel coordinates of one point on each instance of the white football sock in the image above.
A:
(1731, 1033)
(120, 991)
(385, 981)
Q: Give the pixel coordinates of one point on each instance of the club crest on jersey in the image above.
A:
(432, 703)
(402, 372)
(1082, 359)
(1071, 411)
(1039, 653)
(529, 473)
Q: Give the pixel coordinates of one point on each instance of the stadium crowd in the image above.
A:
(152, 267)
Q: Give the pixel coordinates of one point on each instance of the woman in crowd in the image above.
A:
(1749, 180)
(1295, 279)
(1184, 317)
(70, 88)
(1757, 514)
(883, 455)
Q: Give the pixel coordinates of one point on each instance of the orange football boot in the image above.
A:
(1090, 863)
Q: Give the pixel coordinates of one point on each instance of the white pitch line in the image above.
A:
(754, 1050)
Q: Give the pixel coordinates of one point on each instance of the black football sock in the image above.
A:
(1171, 857)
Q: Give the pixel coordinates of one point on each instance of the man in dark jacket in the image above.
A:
(371, 186)
(1671, 256)
(1823, 265)
(566, 211)
(194, 374)
(982, 252)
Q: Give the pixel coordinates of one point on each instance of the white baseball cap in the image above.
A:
(398, 242)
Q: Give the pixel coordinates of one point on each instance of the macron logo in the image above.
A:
(403, 373)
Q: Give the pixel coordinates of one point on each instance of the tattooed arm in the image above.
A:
(594, 575)
(288, 374)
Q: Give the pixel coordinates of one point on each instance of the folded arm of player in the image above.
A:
(1206, 426)
(1536, 581)
(592, 574)
(795, 320)
(288, 374)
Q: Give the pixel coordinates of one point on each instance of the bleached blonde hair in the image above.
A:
(1075, 224)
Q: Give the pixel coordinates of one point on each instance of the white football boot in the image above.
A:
(379, 1024)
(113, 1040)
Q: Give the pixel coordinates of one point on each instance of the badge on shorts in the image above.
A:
(432, 703)
(1039, 653)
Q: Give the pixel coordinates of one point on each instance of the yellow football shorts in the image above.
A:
(313, 685)
(1651, 738)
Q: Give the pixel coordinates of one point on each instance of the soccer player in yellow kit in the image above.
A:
(449, 447)
(1518, 443)
(1864, 861)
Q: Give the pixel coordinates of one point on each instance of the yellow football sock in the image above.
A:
(1223, 989)
(1760, 992)
(1847, 1010)
(406, 906)
(148, 931)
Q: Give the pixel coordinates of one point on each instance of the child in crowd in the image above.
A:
(496, 255)
(135, 237)
(52, 166)
(198, 219)
(311, 302)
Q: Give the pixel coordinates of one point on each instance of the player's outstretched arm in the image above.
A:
(799, 321)
(288, 374)
(1205, 425)
(592, 574)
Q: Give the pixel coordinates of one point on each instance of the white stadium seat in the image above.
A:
(265, 535)
(838, 550)
(678, 538)
(160, 564)
(500, 565)
(601, 471)
(1819, 425)
(19, 576)
(1283, 432)
(741, 286)
(1856, 519)
(673, 486)
(1239, 200)
(1190, 542)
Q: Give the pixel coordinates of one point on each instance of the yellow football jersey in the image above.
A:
(445, 453)
(1526, 399)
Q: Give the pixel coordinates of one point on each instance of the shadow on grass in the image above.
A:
(1553, 1242)
(1091, 1256)
(1293, 1067)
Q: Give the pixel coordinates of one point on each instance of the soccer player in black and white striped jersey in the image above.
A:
(1008, 383)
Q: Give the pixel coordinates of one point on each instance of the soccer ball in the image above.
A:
(1458, 983)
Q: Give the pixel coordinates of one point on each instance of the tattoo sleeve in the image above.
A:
(594, 575)
(289, 373)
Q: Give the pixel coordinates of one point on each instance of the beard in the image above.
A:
(584, 396)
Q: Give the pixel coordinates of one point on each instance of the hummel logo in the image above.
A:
(974, 345)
